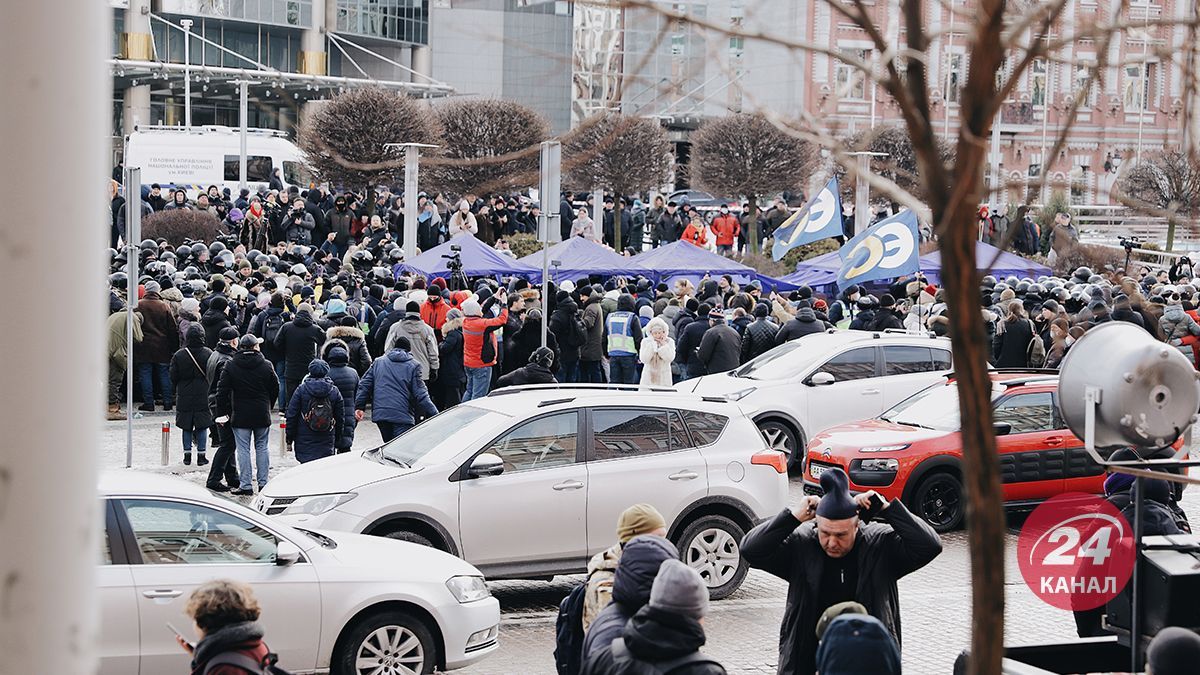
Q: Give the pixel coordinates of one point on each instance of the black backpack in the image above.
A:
(626, 662)
(272, 324)
(319, 416)
(239, 660)
(568, 633)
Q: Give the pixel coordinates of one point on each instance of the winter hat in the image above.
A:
(236, 215)
(834, 611)
(543, 356)
(304, 308)
(228, 333)
(567, 286)
(412, 307)
(836, 504)
(641, 558)
(858, 643)
(335, 306)
(761, 311)
(646, 312)
(716, 315)
(820, 305)
(471, 308)
(307, 292)
(678, 589)
(886, 300)
(348, 321)
(439, 282)
(402, 343)
(190, 305)
(152, 287)
(318, 369)
(1173, 651)
(454, 314)
(637, 519)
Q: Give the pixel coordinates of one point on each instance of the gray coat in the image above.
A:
(593, 325)
(423, 342)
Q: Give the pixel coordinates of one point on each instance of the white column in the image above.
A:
(49, 520)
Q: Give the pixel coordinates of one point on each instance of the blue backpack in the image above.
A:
(568, 633)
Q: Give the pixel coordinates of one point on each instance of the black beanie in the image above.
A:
(836, 504)
(412, 307)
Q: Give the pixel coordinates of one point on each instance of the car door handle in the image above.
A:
(161, 593)
(1054, 441)
(870, 392)
(686, 474)
(568, 485)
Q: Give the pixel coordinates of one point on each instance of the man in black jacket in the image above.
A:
(245, 394)
(804, 323)
(298, 341)
(886, 317)
(721, 347)
(828, 556)
(759, 336)
(688, 336)
(537, 371)
(223, 462)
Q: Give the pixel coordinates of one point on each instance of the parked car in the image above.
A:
(913, 452)
(528, 482)
(337, 601)
(806, 385)
(705, 202)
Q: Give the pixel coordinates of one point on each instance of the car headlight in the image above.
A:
(741, 393)
(885, 448)
(468, 589)
(880, 465)
(314, 505)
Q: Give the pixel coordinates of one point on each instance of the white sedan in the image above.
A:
(344, 603)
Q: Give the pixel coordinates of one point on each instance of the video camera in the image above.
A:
(454, 258)
(1130, 243)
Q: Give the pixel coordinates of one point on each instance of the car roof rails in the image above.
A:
(905, 331)
(581, 387)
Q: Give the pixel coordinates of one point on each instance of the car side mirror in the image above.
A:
(486, 464)
(1003, 428)
(820, 379)
(286, 553)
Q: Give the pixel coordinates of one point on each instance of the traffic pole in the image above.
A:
(166, 443)
(283, 438)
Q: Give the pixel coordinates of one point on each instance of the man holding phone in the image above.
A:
(829, 552)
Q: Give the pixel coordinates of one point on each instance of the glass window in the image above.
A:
(856, 364)
(258, 168)
(941, 359)
(173, 533)
(954, 77)
(906, 360)
(297, 174)
(1137, 88)
(410, 447)
(782, 362)
(1027, 412)
(629, 433)
(706, 428)
(1083, 80)
(540, 443)
(679, 434)
(1037, 82)
(851, 81)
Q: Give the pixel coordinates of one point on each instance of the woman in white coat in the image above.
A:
(657, 353)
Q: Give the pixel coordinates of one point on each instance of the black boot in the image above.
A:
(187, 457)
(201, 460)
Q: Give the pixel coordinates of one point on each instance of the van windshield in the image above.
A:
(420, 445)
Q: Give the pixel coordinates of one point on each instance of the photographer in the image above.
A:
(828, 555)
(300, 224)
(1181, 271)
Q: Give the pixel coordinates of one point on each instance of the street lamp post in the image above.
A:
(862, 189)
(412, 157)
(187, 71)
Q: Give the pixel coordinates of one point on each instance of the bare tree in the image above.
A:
(624, 154)
(749, 156)
(1169, 182)
(489, 146)
(900, 163)
(344, 139)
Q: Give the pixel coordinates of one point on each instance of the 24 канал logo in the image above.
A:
(1076, 551)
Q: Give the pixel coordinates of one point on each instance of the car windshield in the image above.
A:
(781, 362)
(411, 447)
(933, 408)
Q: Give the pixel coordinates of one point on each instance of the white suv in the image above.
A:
(528, 482)
(345, 603)
(806, 385)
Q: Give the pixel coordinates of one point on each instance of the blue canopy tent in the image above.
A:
(988, 260)
(680, 259)
(819, 273)
(580, 258)
(478, 260)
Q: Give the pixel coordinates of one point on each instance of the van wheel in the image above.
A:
(939, 500)
(386, 642)
(780, 437)
(712, 545)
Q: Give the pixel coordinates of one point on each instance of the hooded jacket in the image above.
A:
(243, 638)
(355, 342)
(479, 336)
(804, 323)
(117, 340)
(190, 379)
(434, 311)
(247, 390)
(892, 547)
(530, 373)
(307, 443)
(656, 359)
(213, 321)
(567, 329)
(394, 386)
(297, 342)
(655, 636)
(450, 355)
(422, 340)
(640, 560)
(1176, 324)
(345, 378)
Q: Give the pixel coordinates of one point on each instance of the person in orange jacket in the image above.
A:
(479, 341)
(695, 233)
(727, 229)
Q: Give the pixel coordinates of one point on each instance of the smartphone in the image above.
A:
(175, 630)
(876, 505)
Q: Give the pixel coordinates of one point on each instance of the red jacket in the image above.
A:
(726, 227)
(695, 235)
(476, 352)
(434, 311)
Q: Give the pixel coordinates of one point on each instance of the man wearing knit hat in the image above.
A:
(479, 341)
(823, 544)
(664, 636)
(636, 520)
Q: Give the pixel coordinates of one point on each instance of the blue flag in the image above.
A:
(821, 218)
(888, 249)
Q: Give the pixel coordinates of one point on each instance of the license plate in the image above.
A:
(815, 470)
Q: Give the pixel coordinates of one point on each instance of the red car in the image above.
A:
(913, 451)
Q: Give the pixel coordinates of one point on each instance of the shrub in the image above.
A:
(523, 244)
(1099, 258)
(177, 225)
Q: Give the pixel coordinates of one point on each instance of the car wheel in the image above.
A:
(387, 642)
(780, 436)
(712, 546)
(940, 501)
(410, 537)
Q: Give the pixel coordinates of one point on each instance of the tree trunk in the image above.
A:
(617, 211)
(370, 202)
(752, 235)
(1170, 233)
